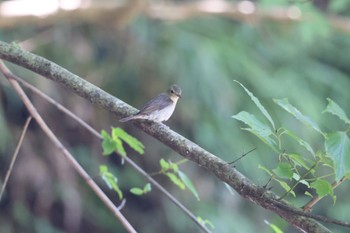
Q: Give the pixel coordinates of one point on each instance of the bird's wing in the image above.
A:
(156, 104)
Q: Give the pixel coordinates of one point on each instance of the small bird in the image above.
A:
(160, 108)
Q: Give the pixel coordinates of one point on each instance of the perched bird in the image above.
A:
(160, 108)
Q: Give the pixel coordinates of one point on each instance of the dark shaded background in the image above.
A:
(305, 61)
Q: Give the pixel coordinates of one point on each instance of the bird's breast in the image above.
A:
(163, 114)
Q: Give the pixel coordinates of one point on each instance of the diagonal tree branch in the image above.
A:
(128, 160)
(178, 143)
(32, 110)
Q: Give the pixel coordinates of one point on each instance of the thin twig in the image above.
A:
(129, 161)
(316, 199)
(240, 157)
(18, 146)
(61, 147)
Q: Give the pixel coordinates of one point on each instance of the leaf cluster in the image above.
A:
(302, 168)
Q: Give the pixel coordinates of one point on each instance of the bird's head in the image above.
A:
(174, 92)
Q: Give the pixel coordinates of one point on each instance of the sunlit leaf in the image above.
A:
(137, 191)
(322, 187)
(338, 148)
(164, 164)
(120, 147)
(284, 170)
(188, 183)
(258, 104)
(175, 180)
(297, 114)
(128, 139)
(110, 180)
(108, 144)
(334, 109)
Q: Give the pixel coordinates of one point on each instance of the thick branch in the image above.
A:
(178, 143)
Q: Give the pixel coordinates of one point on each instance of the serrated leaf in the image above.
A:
(120, 147)
(137, 191)
(188, 183)
(108, 144)
(176, 180)
(284, 170)
(338, 148)
(303, 143)
(258, 128)
(284, 103)
(128, 139)
(322, 187)
(335, 109)
(258, 104)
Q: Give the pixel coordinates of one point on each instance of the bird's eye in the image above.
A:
(171, 91)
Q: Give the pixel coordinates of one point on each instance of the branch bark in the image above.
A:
(178, 143)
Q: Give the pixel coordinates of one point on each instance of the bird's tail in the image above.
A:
(125, 119)
(137, 116)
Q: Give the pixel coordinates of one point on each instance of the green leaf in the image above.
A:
(188, 183)
(322, 187)
(275, 228)
(284, 170)
(147, 188)
(103, 169)
(297, 114)
(338, 148)
(137, 191)
(258, 128)
(108, 144)
(308, 194)
(300, 141)
(120, 147)
(176, 180)
(334, 109)
(258, 104)
(205, 222)
(265, 169)
(110, 180)
(299, 160)
(164, 165)
(128, 139)
(286, 187)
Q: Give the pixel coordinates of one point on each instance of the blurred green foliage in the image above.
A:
(306, 62)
